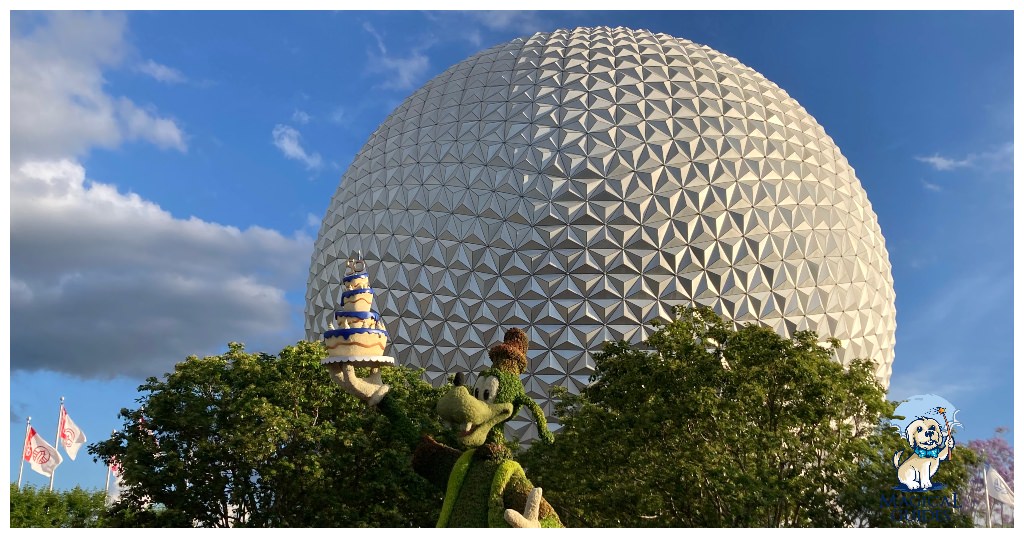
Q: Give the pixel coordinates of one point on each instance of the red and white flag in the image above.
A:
(71, 436)
(115, 495)
(43, 457)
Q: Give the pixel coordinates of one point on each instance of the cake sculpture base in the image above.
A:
(376, 360)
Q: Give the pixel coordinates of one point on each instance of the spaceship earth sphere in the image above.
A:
(581, 183)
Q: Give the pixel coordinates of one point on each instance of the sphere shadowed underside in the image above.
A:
(581, 183)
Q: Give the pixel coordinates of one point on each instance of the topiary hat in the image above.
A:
(510, 355)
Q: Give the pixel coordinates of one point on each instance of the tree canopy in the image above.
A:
(258, 440)
(708, 426)
(42, 508)
(702, 425)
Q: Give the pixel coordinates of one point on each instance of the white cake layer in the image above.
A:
(378, 360)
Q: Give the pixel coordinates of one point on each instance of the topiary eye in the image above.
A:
(920, 429)
(487, 386)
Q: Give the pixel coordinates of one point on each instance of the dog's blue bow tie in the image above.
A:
(933, 453)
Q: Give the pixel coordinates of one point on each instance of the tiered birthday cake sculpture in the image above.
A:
(360, 336)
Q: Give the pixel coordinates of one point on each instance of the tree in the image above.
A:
(712, 427)
(40, 507)
(998, 453)
(262, 441)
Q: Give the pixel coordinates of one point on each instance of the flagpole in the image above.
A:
(21, 468)
(106, 488)
(56, 442)
(988, 503)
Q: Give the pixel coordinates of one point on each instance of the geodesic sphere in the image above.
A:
(581, 183)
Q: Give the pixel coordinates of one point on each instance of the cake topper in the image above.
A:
(355, 264)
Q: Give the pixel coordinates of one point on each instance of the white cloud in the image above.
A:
(964, 302)
(998, 158)
(141, 124)
(376, 36)
(402, 72)
(288, 140)
(59, 103)
(524, 22)
(300, 117)
(312, 221)
(162, 73)
(338, 115)
(485, 28)
(943, 163)
(405, 72)
(931, 186)
(105, 283)
(968, 303)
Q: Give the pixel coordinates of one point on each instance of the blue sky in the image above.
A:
(170, 170)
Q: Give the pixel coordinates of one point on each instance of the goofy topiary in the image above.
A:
(483, 486)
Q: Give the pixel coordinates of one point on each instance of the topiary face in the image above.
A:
(476, 418)
(510, 388)
(479, 412)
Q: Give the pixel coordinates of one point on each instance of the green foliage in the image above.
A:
(42, 508)
(863, 495)
(715, 427)
(262, 441)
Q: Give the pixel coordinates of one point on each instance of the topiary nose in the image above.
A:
(458, 405)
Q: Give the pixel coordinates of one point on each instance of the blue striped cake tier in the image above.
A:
(358, 300)
(355, 320)
(356, 281)
(355, 344)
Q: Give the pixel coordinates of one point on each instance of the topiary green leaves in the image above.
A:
(252, 439)
(475, 420)
(708, 426)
